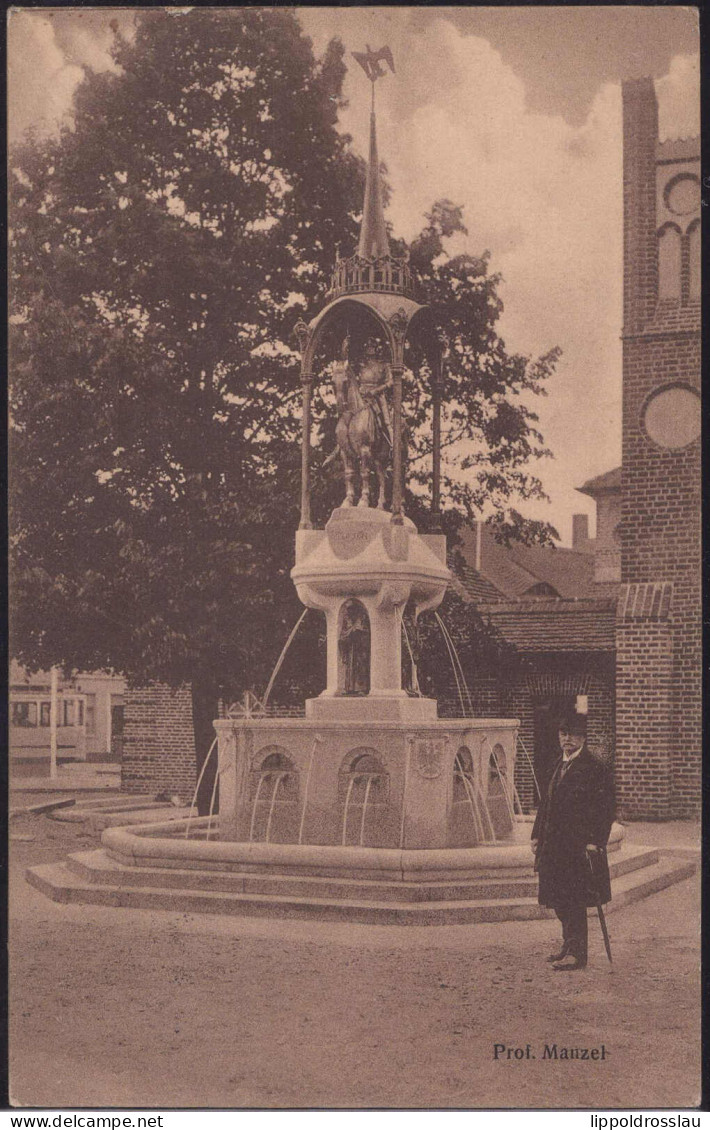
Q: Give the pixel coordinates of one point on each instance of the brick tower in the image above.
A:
(659, 638)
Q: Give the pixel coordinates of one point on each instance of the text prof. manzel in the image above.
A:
(549, 1051)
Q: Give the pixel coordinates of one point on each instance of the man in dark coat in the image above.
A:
(569, 840)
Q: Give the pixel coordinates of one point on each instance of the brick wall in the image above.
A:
(545, 678)
(661, 542)
(640, 123)
(659, 665)
(159, 749)
(158, 742)
(644, 721)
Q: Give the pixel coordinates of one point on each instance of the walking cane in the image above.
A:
(600, 912)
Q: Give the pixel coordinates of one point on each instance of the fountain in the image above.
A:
(370, 807)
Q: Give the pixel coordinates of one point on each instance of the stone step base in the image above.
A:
(112, 885)
(102, 813)
(99, 867)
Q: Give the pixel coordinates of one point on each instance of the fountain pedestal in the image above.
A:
(373, 767)
(361, 559)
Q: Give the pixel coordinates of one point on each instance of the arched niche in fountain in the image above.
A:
(273, 762)
(470, 822)
(497, 771)
(353, 649)
(363, 792)
(500, 798)
(273, 795)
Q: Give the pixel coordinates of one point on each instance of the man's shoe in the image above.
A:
(571, 966)
(558, 956)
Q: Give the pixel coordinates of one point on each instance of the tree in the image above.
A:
(489, 432)
(162, 249)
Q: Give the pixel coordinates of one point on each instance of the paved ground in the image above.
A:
(132, 1008)
(72, 775)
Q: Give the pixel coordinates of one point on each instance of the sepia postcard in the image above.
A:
(355, 570)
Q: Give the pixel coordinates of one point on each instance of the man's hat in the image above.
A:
(572, 722)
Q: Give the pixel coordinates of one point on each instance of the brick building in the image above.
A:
(659, 640)
(550, 606)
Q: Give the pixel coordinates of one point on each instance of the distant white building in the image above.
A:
(89, 719)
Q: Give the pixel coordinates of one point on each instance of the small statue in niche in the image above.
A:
(354, 649)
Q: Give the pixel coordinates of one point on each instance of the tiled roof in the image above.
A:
(476, 587)
(556, 625)
(610, 480)
(512, 571)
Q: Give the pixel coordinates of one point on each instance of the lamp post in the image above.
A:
(53, 707)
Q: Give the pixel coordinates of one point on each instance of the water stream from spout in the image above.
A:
(197, 787)
(510, 801)
(415, 674)
(282, 656)
(351, 782)
(316, 741)
(364, 808)
(277, 785)
(456, 667)
(404, 795)
(212, 800)
(457, 660)
(479, 791)
(517, 800)
(475, 815)
(262, 778)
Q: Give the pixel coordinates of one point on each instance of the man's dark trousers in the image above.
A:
(574, 929)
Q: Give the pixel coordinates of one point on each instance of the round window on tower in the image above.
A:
(671, 416)
(682, 194)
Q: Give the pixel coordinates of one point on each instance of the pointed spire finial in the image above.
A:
(373, 232)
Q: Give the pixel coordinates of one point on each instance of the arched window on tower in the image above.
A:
(669, 262)
(694, 261)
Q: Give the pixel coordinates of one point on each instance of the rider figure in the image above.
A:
(374, 377)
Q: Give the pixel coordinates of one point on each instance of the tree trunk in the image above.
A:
(205, 706)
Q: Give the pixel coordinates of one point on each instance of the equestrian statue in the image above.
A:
(364, 428)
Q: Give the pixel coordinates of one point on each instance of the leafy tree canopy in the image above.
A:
(162, 248)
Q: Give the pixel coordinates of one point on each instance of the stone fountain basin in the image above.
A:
(164, 844)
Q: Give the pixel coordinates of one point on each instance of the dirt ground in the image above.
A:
(138, 1009)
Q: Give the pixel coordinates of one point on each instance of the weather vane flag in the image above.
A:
(371, 63)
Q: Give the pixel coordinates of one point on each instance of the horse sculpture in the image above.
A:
(361, 439)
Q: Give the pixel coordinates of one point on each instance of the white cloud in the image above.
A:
(47, 55)
(41, 81)
(679, 98)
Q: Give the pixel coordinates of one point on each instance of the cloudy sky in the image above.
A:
(515, 113)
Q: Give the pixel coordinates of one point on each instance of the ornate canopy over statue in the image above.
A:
(374, 289)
